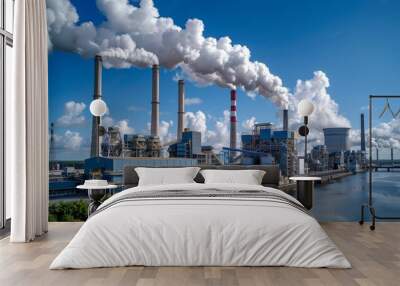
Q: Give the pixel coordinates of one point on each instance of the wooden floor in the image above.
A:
(375, 257)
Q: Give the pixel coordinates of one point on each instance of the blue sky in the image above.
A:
(356, 43)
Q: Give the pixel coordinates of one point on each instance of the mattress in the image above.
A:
(201, 225)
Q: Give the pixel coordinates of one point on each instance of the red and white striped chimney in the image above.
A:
(233, 119)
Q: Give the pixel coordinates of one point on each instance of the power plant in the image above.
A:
(264, 146)
(267, 145)
(336, 153)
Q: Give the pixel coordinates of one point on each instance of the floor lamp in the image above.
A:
(305, 108)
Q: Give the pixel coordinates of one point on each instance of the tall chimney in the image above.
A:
(155, 100)
(362, 133)
(285, 120)
(181, 108)
(391, 156)
(94, 147)
(233, 122)
(377, 155)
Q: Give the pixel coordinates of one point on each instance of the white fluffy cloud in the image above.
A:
(70, 140)
(218, 136)
(387, 134)
(72, 114)
(123, 125)
(197, 121)
(164, 131)
(326, 110)
(193, 101)
(137, 36)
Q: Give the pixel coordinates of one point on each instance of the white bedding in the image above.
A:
(200, 231)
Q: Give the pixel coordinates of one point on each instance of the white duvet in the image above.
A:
(200, 231)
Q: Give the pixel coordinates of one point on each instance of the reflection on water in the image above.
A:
(341, 200)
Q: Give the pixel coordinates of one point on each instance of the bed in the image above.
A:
(197, 224)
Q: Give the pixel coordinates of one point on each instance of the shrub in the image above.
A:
(68, 210)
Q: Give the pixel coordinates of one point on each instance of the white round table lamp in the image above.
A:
(98, 107)
(305, 107)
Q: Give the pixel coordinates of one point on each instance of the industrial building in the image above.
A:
(138, 145)
(268, 146)
(336, 153)
(319, 158)
(188, 147)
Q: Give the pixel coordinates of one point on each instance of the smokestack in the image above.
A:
(181, 108)
(362, 133)
(94, 148)
(233, 121)
(155, 100)
(285, 120)
(377, 155)
(391, 156)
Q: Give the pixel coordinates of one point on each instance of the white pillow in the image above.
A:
(166, 176)
(248, 177)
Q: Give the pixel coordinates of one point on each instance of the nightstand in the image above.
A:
(305, 190)
(96, 193)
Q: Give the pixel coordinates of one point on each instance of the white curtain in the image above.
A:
(27, 124)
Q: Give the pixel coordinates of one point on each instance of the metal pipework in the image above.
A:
(181, 108)
(155, 100)
(95, 143)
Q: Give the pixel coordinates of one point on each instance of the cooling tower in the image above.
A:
(233, 121)
(337, 139)
(155, 100)
(94, 147)
(181, 108)
(362, 133)
(285, 120)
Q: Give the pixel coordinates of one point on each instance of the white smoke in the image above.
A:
(138, 36)
(248, 124)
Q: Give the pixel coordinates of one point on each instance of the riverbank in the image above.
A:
(331, 175)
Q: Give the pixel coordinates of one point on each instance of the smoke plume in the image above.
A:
(138, 36)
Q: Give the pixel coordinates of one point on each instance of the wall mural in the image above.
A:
(186, 83)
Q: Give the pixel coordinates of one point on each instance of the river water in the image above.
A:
(341, 199)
